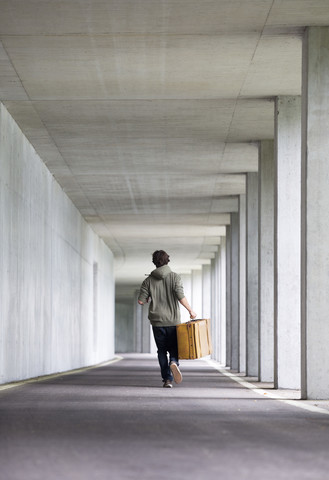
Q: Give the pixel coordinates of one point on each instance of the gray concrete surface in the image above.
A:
(242, 282)
(266, 261)
(196, 292)
(228, 297)
(124, 325)
(315, 217)
(287, 242)
(146, 112)
(206, 290)
(252, 333)
(216, 320)
(117, 422)
(221, 300)
(235, 318)
(56, 274)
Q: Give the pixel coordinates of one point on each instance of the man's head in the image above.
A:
(160, 258)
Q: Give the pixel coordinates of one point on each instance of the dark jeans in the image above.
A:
(166, 341)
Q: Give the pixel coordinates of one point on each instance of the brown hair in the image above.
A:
(160, 258)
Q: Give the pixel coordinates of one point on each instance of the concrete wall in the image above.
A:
(56, 275)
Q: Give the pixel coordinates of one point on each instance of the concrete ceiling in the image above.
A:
(148, 112)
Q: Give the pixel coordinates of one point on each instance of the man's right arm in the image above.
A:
(185, 304)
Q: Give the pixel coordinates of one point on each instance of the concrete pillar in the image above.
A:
(218, 303)
(138, 314)
(215, 314)
(287, 242)
(252, 276)
(222, 300)
(196, 301)
(242, 282)
(218, 318)
(266, 261)
(228, 298)
(234, 258)
(187, 283)
(206, 291)
(315, 214)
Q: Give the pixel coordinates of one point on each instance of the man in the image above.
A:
(165, 289)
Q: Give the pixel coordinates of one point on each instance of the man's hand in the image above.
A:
(185, 304)
(142, 303)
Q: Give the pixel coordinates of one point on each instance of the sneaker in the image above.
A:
(176, 372)
(167, 384)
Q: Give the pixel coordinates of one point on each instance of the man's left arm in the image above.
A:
(144, 292)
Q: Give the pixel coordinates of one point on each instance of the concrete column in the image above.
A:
(138, 314)
(196, 301)
(252, 276)
(218, 319)
(242, 282)
(287, 242)
(206, 291)
(222, 306)
(228, 298)
(215, 315)
(218, 303)
(234, 258)
(266, 261)
(187, 283)
(315, 214)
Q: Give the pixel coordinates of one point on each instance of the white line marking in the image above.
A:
(260, 391)
(56, 375)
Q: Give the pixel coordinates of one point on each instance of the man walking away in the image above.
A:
(165, 289)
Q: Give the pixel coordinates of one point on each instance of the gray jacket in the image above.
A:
(165, 289)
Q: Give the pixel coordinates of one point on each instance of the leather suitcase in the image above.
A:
(194, 340)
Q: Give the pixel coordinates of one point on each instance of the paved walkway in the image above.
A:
(117, 422)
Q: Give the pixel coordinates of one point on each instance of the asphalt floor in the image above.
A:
(117, 422)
